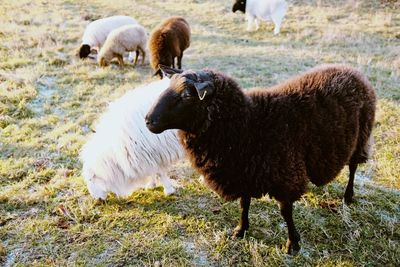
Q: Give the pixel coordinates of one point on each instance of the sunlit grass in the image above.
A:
(50, 101)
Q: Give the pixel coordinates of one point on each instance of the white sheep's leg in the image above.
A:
(130, 57)
(250, 20)
(277, 20)
(151, 182)
(143, 54)
(120, 60)
(277, 28)
(166, 182)
(257, 24)
(136, 58)
(95, 187)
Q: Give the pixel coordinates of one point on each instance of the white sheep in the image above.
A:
(122, 153)
(126, 38)
(97, 31)
(265, 10)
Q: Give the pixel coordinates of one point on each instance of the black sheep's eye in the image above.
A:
(186, 95)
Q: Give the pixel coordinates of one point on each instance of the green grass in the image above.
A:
(50, 101)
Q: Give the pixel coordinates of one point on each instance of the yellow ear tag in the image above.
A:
(204, 95)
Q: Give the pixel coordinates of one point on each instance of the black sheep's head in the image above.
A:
(183, 105)
(84, 51)
(239, 5)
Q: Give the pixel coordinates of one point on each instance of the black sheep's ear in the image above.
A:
(168, 71)
(204, 89)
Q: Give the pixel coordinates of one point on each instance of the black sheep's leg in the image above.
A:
(173, 62)
(348, 195)
(293, 242)
(244, 218)
(180, 61)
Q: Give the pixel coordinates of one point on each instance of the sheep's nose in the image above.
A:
(150, 121)
(153, 124)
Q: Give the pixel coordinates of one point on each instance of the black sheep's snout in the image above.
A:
(149, 121)
(152, 123)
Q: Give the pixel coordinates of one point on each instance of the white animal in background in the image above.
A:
(262, 9)
(121, 155)
(126, 38)
(97, 31)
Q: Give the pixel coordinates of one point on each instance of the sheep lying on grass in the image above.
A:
(269, 141)
(123, 39)
(97, 31)
(123, 152)
(265, 10)
(168, 41)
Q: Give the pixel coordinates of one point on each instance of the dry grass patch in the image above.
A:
(50, 101)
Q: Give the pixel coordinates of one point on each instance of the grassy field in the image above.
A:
(50, 100)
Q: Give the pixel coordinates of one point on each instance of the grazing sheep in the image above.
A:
(97, 31)
(270, 141)
(122, 152)
(265, 10)
(168, 41)
(123, 39)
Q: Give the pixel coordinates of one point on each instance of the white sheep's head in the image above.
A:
(103, 62)
(184, 104)
(105, 56)
(84, 51)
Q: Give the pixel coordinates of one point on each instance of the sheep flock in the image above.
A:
(284, 133)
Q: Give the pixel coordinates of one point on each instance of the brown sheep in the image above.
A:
(270, 141)
(168, 41)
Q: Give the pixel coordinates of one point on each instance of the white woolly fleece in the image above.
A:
(126, 38)
(97, 31)
(123, 152)
(265, 10)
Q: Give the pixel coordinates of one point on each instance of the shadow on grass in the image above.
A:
(326, 216)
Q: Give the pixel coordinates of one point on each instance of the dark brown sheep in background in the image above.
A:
(270, 141)
(167, 42)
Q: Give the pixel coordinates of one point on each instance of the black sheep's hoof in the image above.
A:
(348, 200)
(292, 248)
(238, 232)
(348, 197)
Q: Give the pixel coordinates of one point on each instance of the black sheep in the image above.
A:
(270, 141)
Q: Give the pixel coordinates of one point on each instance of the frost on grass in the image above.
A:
(50, 100)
